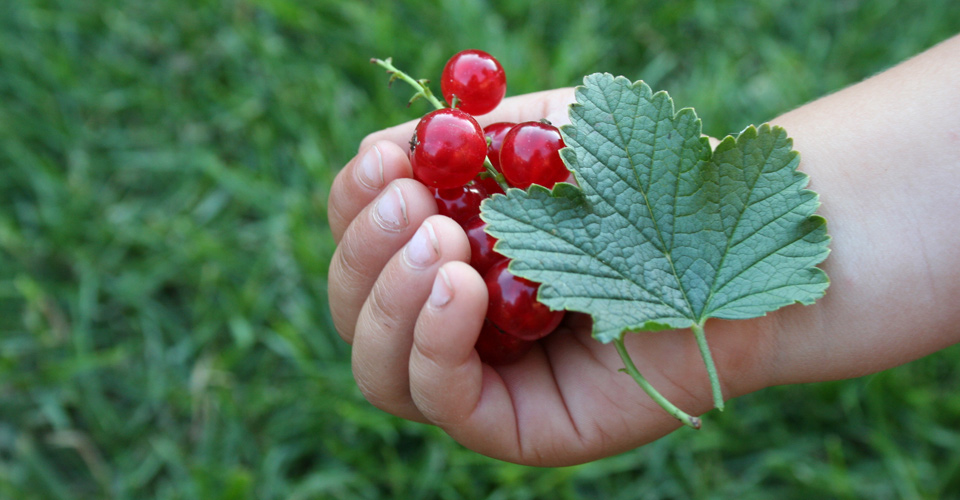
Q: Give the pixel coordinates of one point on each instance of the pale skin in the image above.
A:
(884, 155)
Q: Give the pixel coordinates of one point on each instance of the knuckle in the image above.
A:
(342, 205)
(348, 268)
(340, 324)
(378, 390)
(347, 280)
(370, 390)
(382, 307)
(428, 352)
(341, 311)
(335, 216)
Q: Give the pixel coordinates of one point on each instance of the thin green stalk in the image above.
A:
(631, 369)
(711, 368)
(418, 85)
(497, 176)
(424, 91)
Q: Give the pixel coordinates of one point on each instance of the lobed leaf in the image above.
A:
(661, 232)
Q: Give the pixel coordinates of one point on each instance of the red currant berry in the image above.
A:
(498, 348)
(447, 149)
(530, 154)
(495, 132)
(476, 79)
(482, 254)
(490, 185)
(513, 305)
(460, 203)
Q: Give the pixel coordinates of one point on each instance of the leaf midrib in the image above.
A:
(746, 206)
(595, 258)
(643, 192)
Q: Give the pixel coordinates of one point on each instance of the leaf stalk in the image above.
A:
(708, 362)
(670, 408)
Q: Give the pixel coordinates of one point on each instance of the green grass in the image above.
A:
(164, 170)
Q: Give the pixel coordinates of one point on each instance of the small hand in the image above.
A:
(402, 294)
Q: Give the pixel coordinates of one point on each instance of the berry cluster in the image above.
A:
(463, 164)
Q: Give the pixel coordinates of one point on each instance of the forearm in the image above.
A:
(885, 157)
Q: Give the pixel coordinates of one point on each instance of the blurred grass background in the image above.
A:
(164, 170)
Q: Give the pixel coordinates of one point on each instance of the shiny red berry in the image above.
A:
(460, 203)
(530, 154)
(476, 79)
(490, 185)
(495, 132)
(447, 149)
(498, 348)
(482, 254)
(513, 305)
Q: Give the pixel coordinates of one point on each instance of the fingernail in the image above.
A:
(370, 169)
(391, 212)
(442, 292)
(423, 249)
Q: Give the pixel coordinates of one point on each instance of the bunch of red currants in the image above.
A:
(463, 164)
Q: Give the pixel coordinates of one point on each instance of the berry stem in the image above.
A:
(631, 369)
(422, 90)
(708, 361)
(497, 176)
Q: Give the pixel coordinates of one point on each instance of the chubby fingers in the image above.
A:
(375, 235)
(356, 185)
(449, 384)
(443, 345)
(384, 334)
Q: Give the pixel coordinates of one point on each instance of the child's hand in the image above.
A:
(883, 156)
(402, 294)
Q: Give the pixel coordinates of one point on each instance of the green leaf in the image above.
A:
(662, 232)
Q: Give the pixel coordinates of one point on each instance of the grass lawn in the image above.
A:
(164, 171)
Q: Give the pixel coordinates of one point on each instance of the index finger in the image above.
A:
(357, 184)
